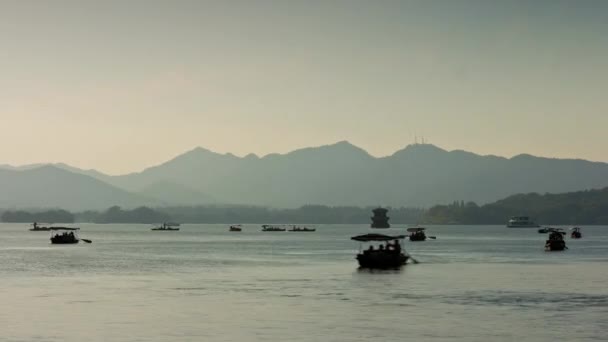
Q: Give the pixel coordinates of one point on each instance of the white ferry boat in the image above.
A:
(522, 222)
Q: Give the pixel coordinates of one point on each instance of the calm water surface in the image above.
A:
(206, 284)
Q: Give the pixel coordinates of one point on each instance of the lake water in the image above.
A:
(206, 284)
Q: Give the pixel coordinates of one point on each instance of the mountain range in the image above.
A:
(49, 186)
(419, 175)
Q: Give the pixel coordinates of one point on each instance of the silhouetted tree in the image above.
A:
(51, 216)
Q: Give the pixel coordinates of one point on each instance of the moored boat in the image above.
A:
(167, 227)
(576, 233)
(544, 230)
(522, 222)
(37, 228)
(301, 229)
(271, 228)
(236, 228)
(386, 256)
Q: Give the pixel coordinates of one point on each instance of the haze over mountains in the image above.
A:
(419, 175)
(49, 186)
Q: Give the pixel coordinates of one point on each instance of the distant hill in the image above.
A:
(93, 173)
(52, 187)
(574, 208)
(326, 175)
(342, 174)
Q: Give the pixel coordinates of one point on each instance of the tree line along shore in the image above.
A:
(582, 207)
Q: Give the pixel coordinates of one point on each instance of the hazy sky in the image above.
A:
(122, 85)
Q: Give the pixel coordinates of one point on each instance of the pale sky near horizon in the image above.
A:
(122, 85)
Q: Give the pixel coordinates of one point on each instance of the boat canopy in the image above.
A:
(415, 229)
(377, 237)
(63, 228)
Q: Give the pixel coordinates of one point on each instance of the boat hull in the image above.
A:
(63, 241)
(552, 246)
(576, 235)
(164, 229)
(382, 260)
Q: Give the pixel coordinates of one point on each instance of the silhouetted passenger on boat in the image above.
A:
(396, 246)
(369, 250)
